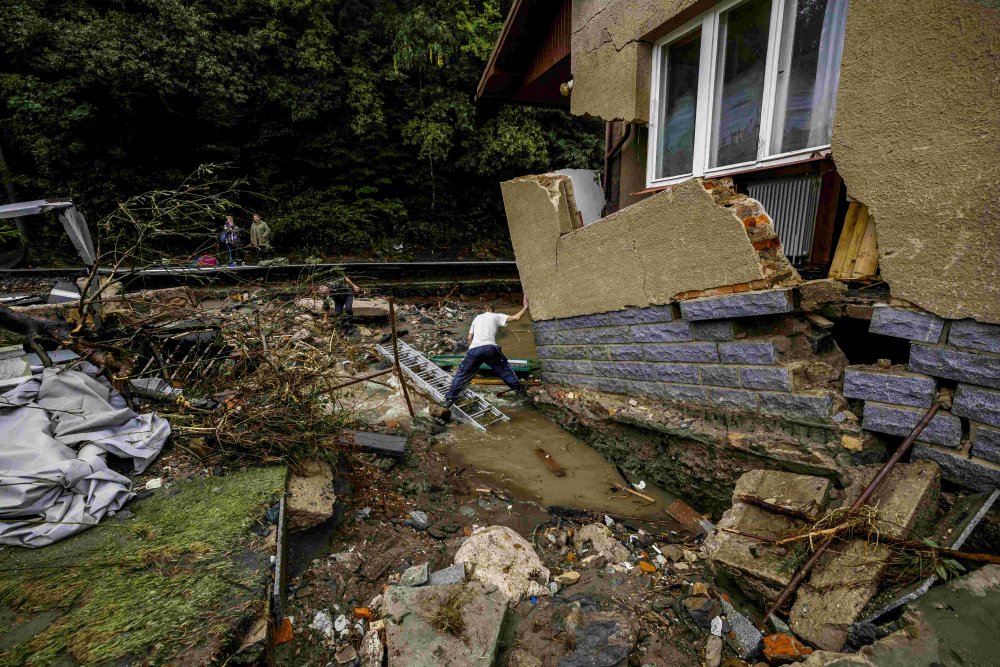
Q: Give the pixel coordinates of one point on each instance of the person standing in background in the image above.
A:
(260, 238)
(230, 237)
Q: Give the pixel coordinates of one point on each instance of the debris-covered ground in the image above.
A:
(408, 540)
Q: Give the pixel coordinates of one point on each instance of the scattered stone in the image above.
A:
(415, 576)
(154, 483)
(439, 412)
(437, 533)
(782, 649)
(716, 627)
(351, 560)
(453, 574)
(418, 520)
(699, 588)
(602, 541)
(567, 578)
(659, 604)
(702, 610)
(340, 624)
(323, 623)
(466, 510)
(451, 528)
(742, 635)
(594, 561)
(345, 655)
(310, 496)
(713, 651)
(371, 650)
(672, 552)
(501, 557)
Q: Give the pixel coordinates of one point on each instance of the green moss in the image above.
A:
(173, 579)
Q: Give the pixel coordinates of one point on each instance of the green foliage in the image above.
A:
(354, 120)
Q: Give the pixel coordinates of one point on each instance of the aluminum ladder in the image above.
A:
(470, 406)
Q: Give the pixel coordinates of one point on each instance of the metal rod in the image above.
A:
(901, 451)
(395, 353)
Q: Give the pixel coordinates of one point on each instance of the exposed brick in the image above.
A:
(732, 399)
(712, 330)
(809, 406)
(631, 370)
(668, 332)
(562, 352)
(569, 366)
(757, 353)
(889, 386)
(624, 352)
(975, 336)
(720, 376)
(771, 378)
(945, 429)
(682, 373)
(986, 442)
(744, 304)
(679, 392)
(905, 323)
(977, 403)
(687, 352)
(975, 474)
(649, 315)
(970, 367)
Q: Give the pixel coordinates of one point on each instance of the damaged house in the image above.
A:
(799, 247)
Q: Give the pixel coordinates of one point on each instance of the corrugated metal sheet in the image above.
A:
(791, 203)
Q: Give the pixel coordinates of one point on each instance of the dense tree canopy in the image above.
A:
(352, 120)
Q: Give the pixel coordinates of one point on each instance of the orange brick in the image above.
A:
(741, 287)
(767, 244)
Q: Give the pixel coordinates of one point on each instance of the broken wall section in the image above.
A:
(689, 240)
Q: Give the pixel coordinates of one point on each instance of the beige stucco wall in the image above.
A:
(675, 241)
(917, 138)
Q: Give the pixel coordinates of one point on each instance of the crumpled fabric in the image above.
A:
(56, 432)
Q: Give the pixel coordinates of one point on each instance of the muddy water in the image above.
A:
(507, 452)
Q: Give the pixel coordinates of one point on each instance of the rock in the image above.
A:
(659, 604)
(340, 624)
(593, 561)
(453, 574)
(672, 552)
(522, 658)
(323, 623)
(567, 578)
(501, 557)
(602, 541)
(699, 588)
(465, 510)
(415, 576)
(436, 533)
(371, 650)
(713, 651)
(418, 520)
(310, 496)
(350, 560)
(412, 639)
(345, 655)
(439, 412)
(716, 628)
(702, 610)
(451, 528)
(743, 637)
(154, 483)
(782, 649)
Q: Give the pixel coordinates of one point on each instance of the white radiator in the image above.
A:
(791, 203)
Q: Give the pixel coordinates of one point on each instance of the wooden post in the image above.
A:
(395, 355)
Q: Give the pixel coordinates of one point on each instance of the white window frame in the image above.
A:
(709, 24)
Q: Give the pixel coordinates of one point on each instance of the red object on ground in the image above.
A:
(283, 631)
(781, 649)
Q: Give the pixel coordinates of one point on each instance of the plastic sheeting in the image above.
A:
(56, 432)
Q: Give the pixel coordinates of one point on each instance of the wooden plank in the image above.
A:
(867, 261)
(819, 320)
(550, 463)
(826, 218)
(840, 255)
(860, 228)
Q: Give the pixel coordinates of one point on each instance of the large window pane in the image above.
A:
(739, 82)
(812, 38)
(678, 106)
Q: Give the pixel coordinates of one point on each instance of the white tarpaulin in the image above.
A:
(56, 432)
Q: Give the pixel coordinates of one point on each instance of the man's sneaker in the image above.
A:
(447, 404)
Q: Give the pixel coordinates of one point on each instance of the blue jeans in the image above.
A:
(343, 302)
(492, 356)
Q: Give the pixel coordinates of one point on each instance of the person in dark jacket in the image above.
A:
(230, 237)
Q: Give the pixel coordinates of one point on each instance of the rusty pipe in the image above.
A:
(901, 451)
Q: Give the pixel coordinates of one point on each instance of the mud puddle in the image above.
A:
(507, 454)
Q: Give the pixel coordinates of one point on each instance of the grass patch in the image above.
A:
(447, 617)
(172, 579)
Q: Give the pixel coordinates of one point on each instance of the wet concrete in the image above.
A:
(507, 452)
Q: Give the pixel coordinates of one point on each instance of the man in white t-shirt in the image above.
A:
(483, 349)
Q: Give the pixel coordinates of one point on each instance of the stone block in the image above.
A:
(720, 376)
(732, 399)
(816, 405)
(985, 442)
(905, 323)
(559, 378)
(613, 385)
(310, 495)
(624, 352)
(668, 332)
(744, 304)
(977, 403)
(680, 373)
(682, 352)
(770, 378)
(597, 352)
(800, 493)
(562, 352)
(906, 500)
(971, 367)
(578, 322)
(631, 370)
(570, 366)
(945, 429)
(759, 353)
(679, 392)
(975, 335)
(889, 386)
(716, 330)
(650, 315)
(591, 336)
(957, 467)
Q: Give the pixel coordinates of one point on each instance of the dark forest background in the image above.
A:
(353, 122)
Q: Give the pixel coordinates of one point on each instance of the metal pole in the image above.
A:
(395, 354)
(363, 378)
(901, 451)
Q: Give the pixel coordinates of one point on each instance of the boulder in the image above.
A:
(499, 556)
(602, 541)
(310, 496)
